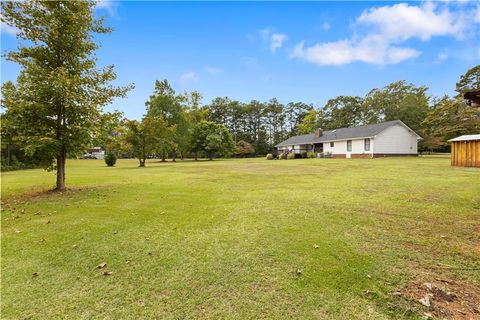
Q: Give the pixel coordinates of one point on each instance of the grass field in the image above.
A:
(243, 239)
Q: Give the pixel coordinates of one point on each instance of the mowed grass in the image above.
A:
(229, 238)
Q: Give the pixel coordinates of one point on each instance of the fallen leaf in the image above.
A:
(35, 274)
(299, 272)
(107, 273)
(102, 265)
(17, 231)
(369, 276)
(316, 246)
(74, 246)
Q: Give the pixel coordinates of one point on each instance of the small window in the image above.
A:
(367, 144)
(349, 145)
(332, 144)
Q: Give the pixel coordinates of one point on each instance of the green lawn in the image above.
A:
(225, 238)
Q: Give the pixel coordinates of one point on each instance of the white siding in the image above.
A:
(340, 147)
(395, 140)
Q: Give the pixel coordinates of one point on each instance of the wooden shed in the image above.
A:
(466, 151)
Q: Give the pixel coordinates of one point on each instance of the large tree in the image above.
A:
(146, 136)
(397, 101)
(469, 81)
(213, 139)
(167, 104)
(342, 111)
(59, 92)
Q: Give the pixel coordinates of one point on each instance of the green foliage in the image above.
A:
(310, 155)
(244, 149)
(340, 112)
(397, 101)
(269, 156)
(449, 118)
(469, 81)
(110, 159)
(291, 156)
(146, 137)
(309, 122)
(59, 92)
(213, 139)
(108, 134)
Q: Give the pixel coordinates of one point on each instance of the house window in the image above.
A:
(367, 144)
(349, 145)
(332, 144)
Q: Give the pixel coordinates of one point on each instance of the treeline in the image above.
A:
(181, 127)
(178, 126)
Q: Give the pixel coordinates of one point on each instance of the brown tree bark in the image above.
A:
(61, 159)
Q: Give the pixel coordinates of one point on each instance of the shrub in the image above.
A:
(269, 156)
(303, 154)
(244, 149)
(310, 155)
(110, 159)
(291, 156)
(282, 156)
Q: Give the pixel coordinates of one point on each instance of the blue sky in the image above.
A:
(294, 51)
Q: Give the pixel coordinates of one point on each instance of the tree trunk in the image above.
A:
(173, 157)
(163, 157)
(196, 156)
(210, 156)
(142, 162)
(181, 155)
(61, 158)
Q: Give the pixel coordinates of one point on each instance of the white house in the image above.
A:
(392, 138)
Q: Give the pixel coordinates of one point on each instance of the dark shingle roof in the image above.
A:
(341, 134)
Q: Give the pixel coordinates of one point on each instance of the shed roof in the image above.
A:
(467, 137)
(366, 131)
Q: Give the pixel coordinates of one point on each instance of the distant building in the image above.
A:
(392, 138)
(97, 153)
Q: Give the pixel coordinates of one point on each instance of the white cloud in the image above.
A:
(107, 5)
(401, 21)
(213, 70)
(326, 26)
(369, 50)
(6, 29)
(188, 77)
(274, 40)
(381, 31)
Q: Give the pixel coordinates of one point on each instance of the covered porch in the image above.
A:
(301, 148)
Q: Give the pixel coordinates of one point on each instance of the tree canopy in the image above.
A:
(59, 92)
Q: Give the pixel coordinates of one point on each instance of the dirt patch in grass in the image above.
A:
(37, 194)
(450, 299)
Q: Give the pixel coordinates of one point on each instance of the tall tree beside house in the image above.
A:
(397, 101)
(59, 91)
(342, 111)
(145, 136)
(309, 122)
(295, 112)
